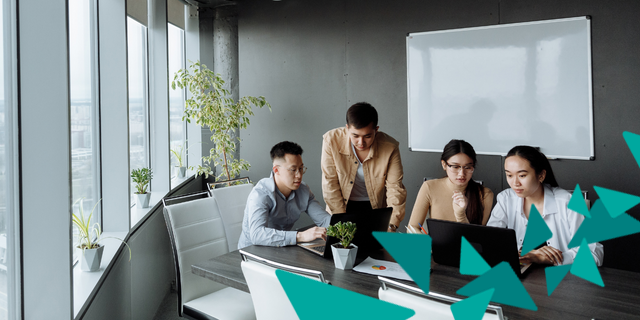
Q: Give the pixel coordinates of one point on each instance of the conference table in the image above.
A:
(573, 298)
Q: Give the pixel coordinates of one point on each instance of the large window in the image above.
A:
(179, 143)
(9, 284)
(83, 113)
(138, 96)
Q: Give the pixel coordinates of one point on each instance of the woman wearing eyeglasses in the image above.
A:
(533, 183)
(455, 197)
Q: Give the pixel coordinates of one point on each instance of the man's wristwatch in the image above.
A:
(393, 227)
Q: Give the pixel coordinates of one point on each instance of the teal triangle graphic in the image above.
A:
(616, 202)
(472, 308)
(577, 203)
(633, 142)
(509, 289)
(584, 266)
(471, 262)
(602, 226)
(555, 275)
(413, 262)
(537, 231)
(345, 304)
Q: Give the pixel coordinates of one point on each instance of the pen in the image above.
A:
(412, 229)
(422, 228)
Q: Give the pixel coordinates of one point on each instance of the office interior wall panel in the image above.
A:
(293, 53)
(114, 113)
(313, 60)
(45, 160)
(151, 267)
(113, 299)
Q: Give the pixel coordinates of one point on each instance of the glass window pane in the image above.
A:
(138, 97)
(176, 101)
(84, 148)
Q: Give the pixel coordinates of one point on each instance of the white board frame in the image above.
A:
(588, 93)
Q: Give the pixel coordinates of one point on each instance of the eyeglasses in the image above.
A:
(300, 170)
(456, 168)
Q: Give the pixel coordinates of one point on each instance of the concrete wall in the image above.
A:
(313, 59)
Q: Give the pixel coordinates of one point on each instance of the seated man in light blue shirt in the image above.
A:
(275, 203)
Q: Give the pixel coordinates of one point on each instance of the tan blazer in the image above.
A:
(382, 173)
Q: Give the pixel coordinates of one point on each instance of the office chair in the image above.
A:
(196, 233)
(427, 306)
(231, 202)
(269, 299)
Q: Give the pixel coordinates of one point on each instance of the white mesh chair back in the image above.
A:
(231, 202)
(431, 306)
(269, 299)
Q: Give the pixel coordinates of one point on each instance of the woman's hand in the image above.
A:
(460, 200)
(544, 255)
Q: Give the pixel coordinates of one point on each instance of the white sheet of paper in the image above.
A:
(382, 268)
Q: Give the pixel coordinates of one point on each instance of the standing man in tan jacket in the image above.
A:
(361, 167)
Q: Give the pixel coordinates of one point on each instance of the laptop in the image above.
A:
(366, 223)
(492, 243)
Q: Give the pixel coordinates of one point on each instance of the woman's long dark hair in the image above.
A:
(537, 160)
(474, 191)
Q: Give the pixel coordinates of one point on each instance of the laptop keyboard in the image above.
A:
(319, 249)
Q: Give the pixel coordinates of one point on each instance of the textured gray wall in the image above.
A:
(312, 60)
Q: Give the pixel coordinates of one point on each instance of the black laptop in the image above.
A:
(366, 222)
(493, 244)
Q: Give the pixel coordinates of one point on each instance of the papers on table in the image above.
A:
(382, 268)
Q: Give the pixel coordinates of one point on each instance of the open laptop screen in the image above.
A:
(493, 244)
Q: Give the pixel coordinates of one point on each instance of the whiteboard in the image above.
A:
(501, 86)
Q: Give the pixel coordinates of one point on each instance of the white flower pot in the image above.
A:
(90, 259)
(142, 199)
(344, 258)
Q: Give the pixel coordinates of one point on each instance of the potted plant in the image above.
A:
(211, 105)
(178, 153)
(142, 177)
(89, 237)
(344, 252)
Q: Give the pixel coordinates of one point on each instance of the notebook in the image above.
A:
(366, 223)
(493, 244)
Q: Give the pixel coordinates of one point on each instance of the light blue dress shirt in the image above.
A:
(269, 216)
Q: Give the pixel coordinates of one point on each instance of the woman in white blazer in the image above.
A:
(532, 183)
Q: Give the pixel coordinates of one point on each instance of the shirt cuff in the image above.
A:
(568, 257)
(290, 238)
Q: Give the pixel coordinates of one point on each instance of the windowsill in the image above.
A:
(138, 213)
(85, 282)
(156, 196)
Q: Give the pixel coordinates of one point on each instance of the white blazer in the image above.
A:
(563, 222)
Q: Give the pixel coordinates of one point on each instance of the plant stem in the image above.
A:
(226, 168)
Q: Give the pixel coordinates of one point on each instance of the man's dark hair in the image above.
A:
(279, 150)
(361, 115)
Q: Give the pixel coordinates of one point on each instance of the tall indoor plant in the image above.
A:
(142, 177)
(89, 236)
(210, 105)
